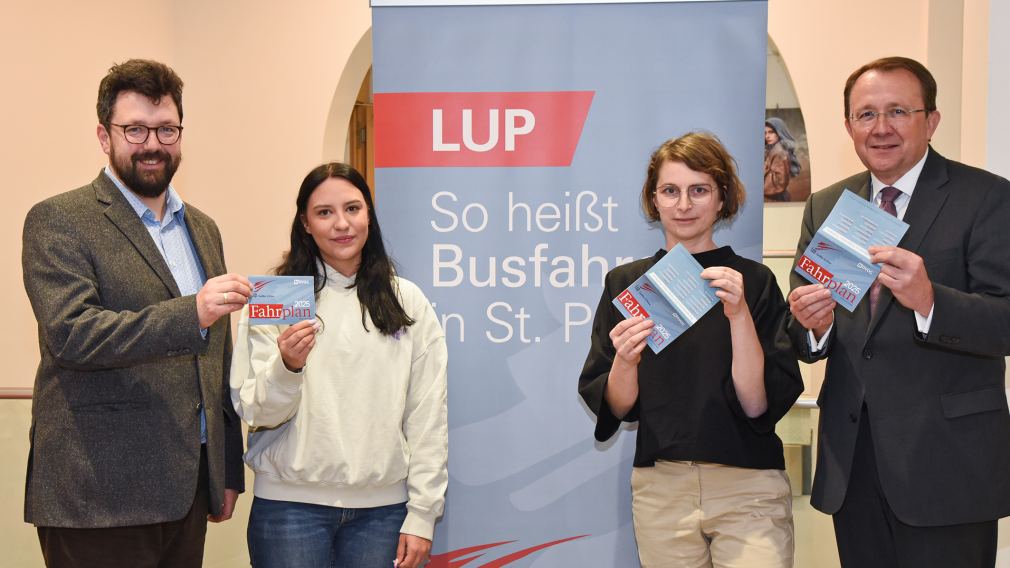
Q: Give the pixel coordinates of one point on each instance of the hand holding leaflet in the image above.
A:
(672, 294)
(837, 255)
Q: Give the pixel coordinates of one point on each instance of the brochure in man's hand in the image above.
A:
(281, 300)
(837, 257)
(672, 294)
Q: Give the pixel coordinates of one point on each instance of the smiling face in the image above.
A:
(146, 168)
(336, 217)
(886, 147)
(690, 224)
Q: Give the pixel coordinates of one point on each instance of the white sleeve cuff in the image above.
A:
(923, 323)
(419, 524)
(818, 346)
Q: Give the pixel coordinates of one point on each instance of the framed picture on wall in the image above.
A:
(787, 157)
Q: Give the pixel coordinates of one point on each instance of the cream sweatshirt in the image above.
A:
(363, 424)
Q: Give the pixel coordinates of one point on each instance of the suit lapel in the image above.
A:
(927, 200)
(122, 215)
(864, 189)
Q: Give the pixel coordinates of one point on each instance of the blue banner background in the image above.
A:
(523, 464)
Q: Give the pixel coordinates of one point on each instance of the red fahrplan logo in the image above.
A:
(631, 304)
(276, 311)
(816, 270)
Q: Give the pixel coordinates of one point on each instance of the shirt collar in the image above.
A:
(334, 277)
(905, 183)
(173, 204)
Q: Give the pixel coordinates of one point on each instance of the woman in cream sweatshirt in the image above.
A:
(347, 413)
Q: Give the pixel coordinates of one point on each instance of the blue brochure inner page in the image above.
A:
(281, 300)
(672, 294)
(678, 278)
(837, 257)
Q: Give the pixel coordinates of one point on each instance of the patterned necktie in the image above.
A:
(887, 197)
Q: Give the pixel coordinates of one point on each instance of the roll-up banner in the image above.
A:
(511, 143)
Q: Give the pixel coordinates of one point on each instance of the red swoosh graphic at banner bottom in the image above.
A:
(449, 559)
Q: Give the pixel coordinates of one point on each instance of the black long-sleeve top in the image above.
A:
(687, 406)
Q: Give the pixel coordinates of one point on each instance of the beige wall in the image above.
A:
(52, 55)
(259, 100)
(949, 36)
(261, 78)
(820, 52)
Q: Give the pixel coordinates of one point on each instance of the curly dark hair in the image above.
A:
(152, 79)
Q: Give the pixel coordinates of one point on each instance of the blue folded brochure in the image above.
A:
(281, 300)
(836, 256)
(672, 294)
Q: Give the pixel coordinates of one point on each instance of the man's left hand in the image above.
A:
(412, 551)
(227, 508)
(904, 273)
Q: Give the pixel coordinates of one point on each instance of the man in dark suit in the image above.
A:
(914, 438)
(134, 441)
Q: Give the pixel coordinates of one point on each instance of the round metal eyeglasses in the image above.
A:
(697, 194)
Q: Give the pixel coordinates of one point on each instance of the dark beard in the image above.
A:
(146, 186)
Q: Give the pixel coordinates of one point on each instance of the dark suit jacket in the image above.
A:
(115, 437)
(936, 405)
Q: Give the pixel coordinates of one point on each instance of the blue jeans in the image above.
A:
(285, 534)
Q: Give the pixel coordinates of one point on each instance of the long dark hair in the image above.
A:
(374, 282)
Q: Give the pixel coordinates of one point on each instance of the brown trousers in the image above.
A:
(174, 544)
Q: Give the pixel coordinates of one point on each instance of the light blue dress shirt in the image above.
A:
(171, 236)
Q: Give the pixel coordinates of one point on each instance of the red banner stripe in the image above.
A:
(512, 129)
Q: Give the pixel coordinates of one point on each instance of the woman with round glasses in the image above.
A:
(348, 435)
(708, 483)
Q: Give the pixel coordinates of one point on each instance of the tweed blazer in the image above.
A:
(124, 370)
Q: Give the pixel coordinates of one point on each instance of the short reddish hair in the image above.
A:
(702, 152)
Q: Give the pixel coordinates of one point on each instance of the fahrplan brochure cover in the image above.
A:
(837, 257)
(672, 294)
(281, 300)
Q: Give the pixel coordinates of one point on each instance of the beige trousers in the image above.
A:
(693, 515)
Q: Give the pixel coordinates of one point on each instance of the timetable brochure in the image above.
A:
(281, 299)
(837, 257)
(672, 294)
